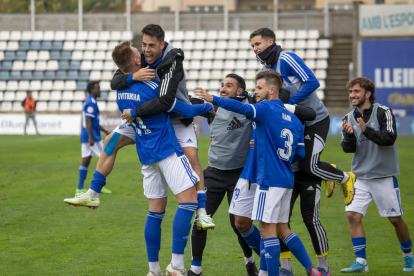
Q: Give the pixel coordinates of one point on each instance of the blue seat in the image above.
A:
(67, 55)
(61, 75)
(50, 75)
(27, 75)
(75, 64)
(35, 45)
(83, 75)
(24, 45)
(57, 45)
(46, 45)
(103, 96)
(21, 55)
(9, 55)
(64, 64)
(38, 75)
(81, 85)
(54, 55)
(73, 74)
(7, 65)
(4, 75)
(15, 75)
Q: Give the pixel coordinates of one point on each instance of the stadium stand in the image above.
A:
(56, 66)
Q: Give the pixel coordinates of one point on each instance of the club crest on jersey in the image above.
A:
(286, 117)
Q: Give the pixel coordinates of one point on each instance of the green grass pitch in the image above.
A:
(40, 235)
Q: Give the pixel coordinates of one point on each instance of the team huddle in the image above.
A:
(264, 154)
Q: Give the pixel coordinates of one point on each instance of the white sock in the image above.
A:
(323, 262)
(249, 260)
(346, 177)
(155, 267)
(361, 261)
(92, 193)
(195, 269)
(408, 254)
(201, 211)
(286, 264)
(263, 273)
(177, 261)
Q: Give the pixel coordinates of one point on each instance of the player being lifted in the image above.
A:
(276, 147)
(369, 132)
(155, 50)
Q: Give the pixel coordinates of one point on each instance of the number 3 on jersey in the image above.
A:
(286, 152)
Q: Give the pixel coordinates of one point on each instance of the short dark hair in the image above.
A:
(272, 78)
(122, 54)
(264, 33)
(28, 92)
(154, 30)
(365, 83)
(91, 85)
(240, 81)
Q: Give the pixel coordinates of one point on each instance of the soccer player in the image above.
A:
(154, 49)
(302, 83)
(369, 132)
(90, 134)
(277, 146)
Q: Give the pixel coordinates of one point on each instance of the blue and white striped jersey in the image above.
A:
(154, 135)
(91, 110)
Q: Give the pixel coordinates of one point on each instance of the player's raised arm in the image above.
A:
(121, 81)
(190, 111)
(302, 112)
(229, 104)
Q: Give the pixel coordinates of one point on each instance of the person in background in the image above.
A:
(29, 105)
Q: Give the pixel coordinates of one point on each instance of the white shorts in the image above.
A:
(125, 130)
(384, 192)
(94, 150)
(271, 204)
(174, 172)
(186, 136)
(243, 199)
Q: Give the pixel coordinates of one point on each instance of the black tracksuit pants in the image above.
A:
(217, 183)
(308, 184)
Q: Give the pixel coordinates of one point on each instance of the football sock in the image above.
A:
(98, 181)
(195, 269)
(91, 193)
(252, 238)
(152, 235)
(272, 256)
(263, 265)
(181, 230)
(323, 262)
(345, 178)
(249, 259)
(286, 260)
(298, 250)
(406, 248)
(83, 171)
(201, 198)
(359, 248)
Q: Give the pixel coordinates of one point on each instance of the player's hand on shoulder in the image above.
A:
(252, 144)
(203, 94)
(91, 141)
(347, 127)
(126, 115)
(144, 74)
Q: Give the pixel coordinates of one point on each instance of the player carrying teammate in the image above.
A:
(369, 132)
(90, 134)
(276, 147)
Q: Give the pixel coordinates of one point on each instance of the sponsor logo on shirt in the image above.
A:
(307, 137)
(286, 117)
(235, 124)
